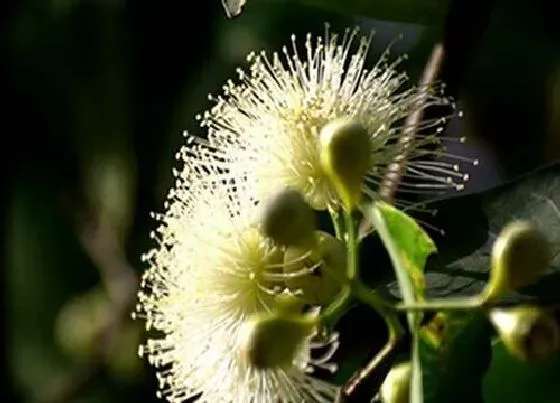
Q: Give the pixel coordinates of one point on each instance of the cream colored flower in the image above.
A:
(212, 270)
(268, 124)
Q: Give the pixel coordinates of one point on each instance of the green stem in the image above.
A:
(336, 309)
(358, 289)
(381, 306)
(369, 297)
(351, 246)
(442, 304)
(351, 285)
(336, 218)
(395, 333)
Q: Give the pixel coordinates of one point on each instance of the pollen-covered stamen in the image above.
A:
(268, 123)
(292, 275)
(322, 353)
(210, 270)
(422, 174)
(328, 259)
(298, 259)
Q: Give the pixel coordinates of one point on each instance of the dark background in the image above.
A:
(97, 94)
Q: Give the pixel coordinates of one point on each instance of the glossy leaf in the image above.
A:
(472, 223)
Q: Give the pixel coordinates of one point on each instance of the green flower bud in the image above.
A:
(287, 219)
(270, 341)
(395, 388)
(328, 255)
(287, 304)
(528, 332)
(519, 256)
(345, 154)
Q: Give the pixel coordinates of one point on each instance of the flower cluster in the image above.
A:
(268, 123)
(214, 268)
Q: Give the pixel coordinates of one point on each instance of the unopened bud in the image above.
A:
(287, 219)
(328, 256)
(528, 332)
(287, 303)
(395, 388)
(519, 256)
(270, 341)
(345, 153)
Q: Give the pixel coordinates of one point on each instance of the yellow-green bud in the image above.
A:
(519, 256)
(329, 256)
(288, 304)
(395, 388)
(287, 219)
(345, 154)
(269, 341)
(528, 332)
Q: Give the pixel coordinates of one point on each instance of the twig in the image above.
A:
(387, 191)
(369, 378)
(102, 246)
(359, 377)
(104, 249)
(396, 169)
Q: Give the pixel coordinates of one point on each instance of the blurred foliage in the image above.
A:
(101, 91)
(510, 380)
(414, 11)
(454, 369)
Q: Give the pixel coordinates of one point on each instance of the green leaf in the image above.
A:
(526, 382)
(471, 224)
(455, 357)
(412, 246)
(454, 362)
(408, 247)
(411, 11)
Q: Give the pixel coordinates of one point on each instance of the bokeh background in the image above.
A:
(99, 93)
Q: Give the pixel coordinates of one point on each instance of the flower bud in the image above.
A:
(528, 332)
(395, 388)
(345, 153)
(519, 256)
(286, 303)
(270, 341)
(287, 219)
(328, 255)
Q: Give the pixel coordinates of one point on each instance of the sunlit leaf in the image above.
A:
(472, 223)
(408, 247)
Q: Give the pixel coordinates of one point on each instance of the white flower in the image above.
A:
(212, 270)
(268, 123)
